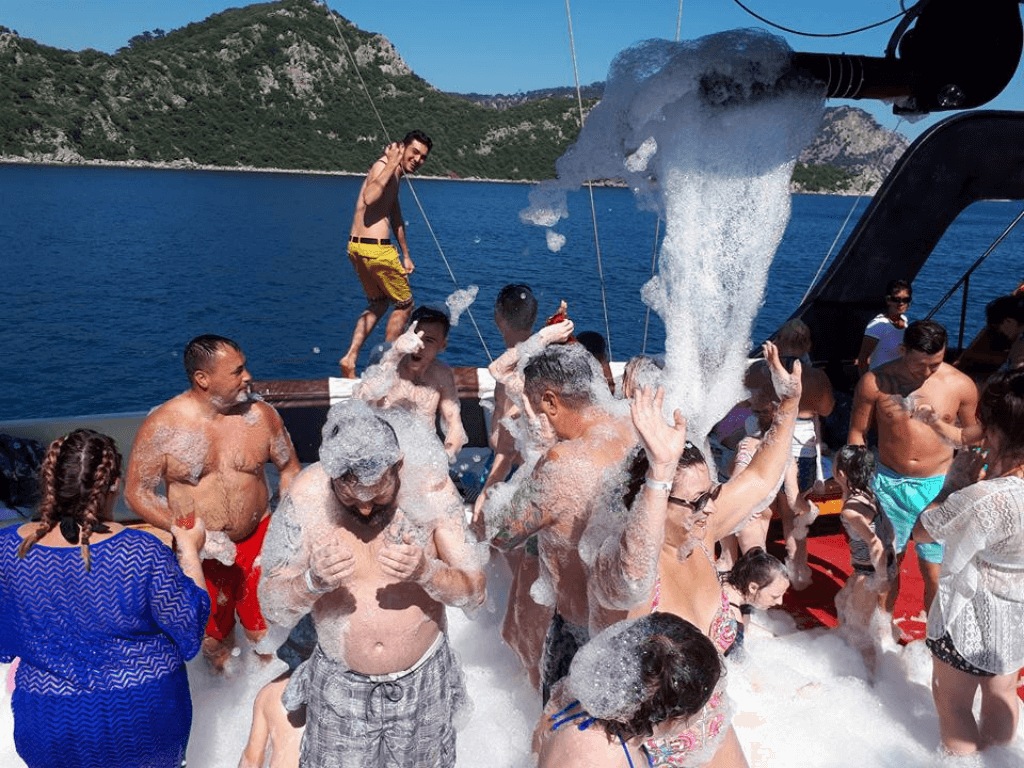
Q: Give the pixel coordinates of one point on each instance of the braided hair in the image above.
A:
(78, 472)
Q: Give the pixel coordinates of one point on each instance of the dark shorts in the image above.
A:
(806, 472)
(944, 650)
(560, 646)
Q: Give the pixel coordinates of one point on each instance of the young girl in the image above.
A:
(860, 604)
(757, 580)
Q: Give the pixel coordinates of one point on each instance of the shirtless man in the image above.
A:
(373, 257)
(562, 383)
(410, 376)
(913, 459)
(208, 448)
(382, 686)
(526, 621)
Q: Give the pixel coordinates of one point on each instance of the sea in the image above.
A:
(109, 271)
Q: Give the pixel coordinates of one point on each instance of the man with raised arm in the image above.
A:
(208, 448)
(385, 280)
(913, 459)
(373, 543)
(564, 385)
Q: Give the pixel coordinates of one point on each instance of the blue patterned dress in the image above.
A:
(102, 677)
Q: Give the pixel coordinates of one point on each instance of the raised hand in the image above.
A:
(664, 443)
(557, 333)
(393, 153)
(787, 385)
(409, 342)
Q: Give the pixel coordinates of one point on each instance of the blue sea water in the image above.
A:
(108, 272)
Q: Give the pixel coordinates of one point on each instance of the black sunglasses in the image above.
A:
(898, 299)
(698, 504)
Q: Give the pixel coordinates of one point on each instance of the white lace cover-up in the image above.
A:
(981, 590)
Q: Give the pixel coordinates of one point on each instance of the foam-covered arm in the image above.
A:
(745, 494)
(285, 592)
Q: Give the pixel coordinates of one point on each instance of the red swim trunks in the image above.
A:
(233, 587)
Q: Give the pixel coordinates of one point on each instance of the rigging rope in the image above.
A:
(654, 259)
(409, 184)
(978, 262)
(842, 227)
(792, 31)
(590, 184)
(657, 223)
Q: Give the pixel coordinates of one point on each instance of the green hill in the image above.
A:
(274, 85)
(268, 85)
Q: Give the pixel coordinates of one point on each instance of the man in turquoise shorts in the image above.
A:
(913, 459)
(378, 215)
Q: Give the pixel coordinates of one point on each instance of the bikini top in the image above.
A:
(724, 630)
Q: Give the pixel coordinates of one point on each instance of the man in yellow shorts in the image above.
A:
(385, 279)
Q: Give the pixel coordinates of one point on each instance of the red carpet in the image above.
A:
(829, 557)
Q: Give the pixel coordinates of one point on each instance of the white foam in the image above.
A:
(555, 241)
(459, 301)
(802, 698)
(705, 136)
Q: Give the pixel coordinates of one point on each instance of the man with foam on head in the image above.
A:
(913, 458)
(410, 376)
(209, 447)
(375, 260)
(564, 385)
(347, 545)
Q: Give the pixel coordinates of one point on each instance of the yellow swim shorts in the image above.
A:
(381, 273)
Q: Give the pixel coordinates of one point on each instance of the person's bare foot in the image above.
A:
(216, 652)
(348, 368)
(799, 574)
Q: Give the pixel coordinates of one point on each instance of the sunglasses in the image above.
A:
(698, 504)
(898, 299)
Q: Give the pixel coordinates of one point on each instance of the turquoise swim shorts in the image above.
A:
(904, 499)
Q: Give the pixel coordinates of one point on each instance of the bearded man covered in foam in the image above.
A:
(375, 562)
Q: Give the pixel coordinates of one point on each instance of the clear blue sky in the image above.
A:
(492, 46)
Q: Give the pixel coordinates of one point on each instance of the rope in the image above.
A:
(792, 31)
(846, 221)
(654, 258)
(590, 185)
(408, 181)
(966, 275)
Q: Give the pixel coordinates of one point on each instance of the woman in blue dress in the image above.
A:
(102, 618)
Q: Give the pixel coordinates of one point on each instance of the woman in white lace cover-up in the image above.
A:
(974, 627)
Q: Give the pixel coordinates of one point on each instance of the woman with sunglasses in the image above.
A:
(884, 334)
(698, 513)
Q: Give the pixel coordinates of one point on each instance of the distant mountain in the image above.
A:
(274, 85)
(852, 153)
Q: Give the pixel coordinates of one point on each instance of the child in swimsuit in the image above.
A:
(757, 580)
(860, 604)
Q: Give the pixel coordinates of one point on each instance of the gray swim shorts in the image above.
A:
(359, 721)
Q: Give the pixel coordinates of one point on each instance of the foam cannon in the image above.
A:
(944, 54)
